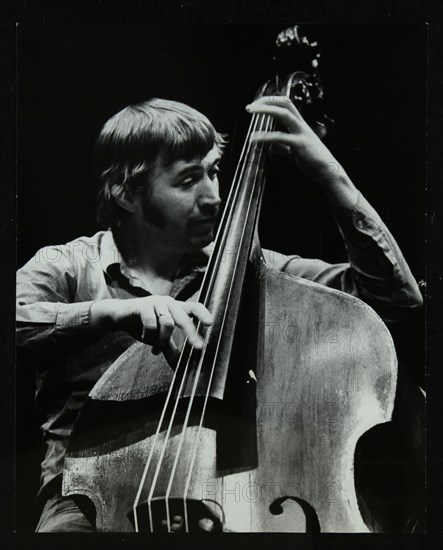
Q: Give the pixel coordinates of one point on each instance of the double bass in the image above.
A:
(257, 431)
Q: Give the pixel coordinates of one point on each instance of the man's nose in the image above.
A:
(209, 194)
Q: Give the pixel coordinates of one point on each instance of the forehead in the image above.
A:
(210, 158)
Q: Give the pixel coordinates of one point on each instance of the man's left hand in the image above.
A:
(303, 145)
(300, 142)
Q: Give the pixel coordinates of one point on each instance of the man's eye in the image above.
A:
(214, 172)
(188, 181)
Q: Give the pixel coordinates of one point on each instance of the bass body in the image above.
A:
(324, 374)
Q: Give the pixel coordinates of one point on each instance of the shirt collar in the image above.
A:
(109, 253)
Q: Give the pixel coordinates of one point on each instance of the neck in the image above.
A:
(143, 253)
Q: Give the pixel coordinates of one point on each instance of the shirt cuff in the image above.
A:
(73, 318)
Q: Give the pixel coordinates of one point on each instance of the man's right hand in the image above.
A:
(151, 320)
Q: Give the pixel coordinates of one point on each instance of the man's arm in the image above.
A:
(48, 313)
(377, 271)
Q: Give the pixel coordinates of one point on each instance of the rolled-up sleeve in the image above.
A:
(45, 289)
(376, 272)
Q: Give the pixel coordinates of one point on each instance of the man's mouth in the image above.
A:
(204, 222)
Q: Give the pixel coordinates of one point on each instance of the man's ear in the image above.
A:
(125, 200)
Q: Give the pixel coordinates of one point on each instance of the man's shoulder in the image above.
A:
(99, 248)
(79, 250)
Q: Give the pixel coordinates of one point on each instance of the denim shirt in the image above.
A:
(56, 288)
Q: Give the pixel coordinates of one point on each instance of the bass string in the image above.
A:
(185, 423)
(268, 124)
(183, 431)
(227, 213)
(223, 229)
(172, 417)
(194, 455)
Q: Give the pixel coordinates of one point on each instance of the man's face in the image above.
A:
(181, 204)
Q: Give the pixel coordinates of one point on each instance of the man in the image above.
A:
(83, 302)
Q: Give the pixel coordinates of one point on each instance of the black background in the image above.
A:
(71, 79)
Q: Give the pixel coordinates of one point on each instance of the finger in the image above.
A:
(198, 310)
(165, 324)
(279, 100)
(185, 323)
(149, 322)
(283, 116)
(279, 138)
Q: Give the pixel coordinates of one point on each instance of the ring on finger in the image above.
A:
(165, 314)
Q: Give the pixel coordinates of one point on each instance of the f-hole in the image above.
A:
(312, 523)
